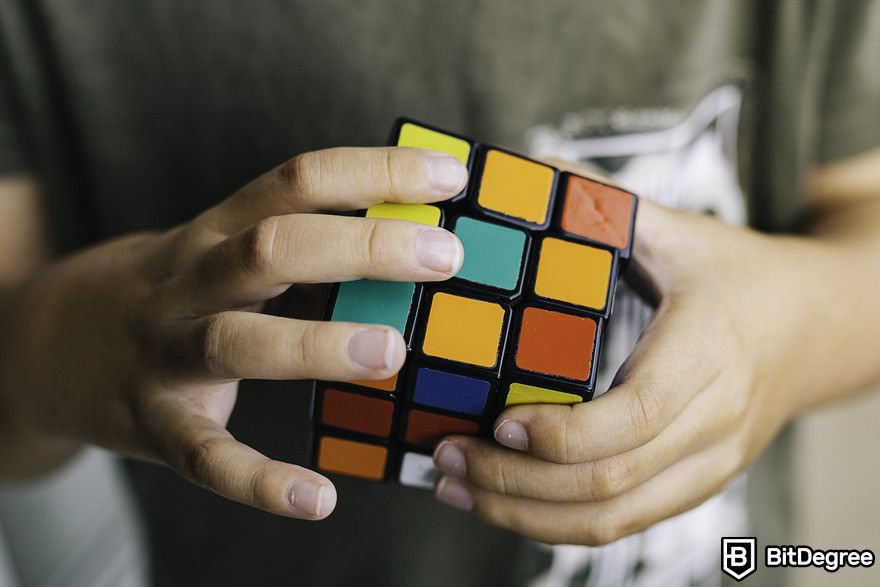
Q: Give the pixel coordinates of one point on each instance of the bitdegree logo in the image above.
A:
(738, 557)
(806, 556)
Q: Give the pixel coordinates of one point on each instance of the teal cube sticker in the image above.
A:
(492, 254)
(374, 302)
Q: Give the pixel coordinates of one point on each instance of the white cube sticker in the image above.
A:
(417, 470)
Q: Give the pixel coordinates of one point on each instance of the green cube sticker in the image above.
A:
(492, 253)
(374, 302)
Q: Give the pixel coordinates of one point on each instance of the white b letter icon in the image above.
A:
(738, 557)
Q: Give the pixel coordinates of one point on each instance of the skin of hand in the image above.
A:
(138, 344)
(749, 331)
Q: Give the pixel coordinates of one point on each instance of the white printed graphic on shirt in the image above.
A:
(690, 164)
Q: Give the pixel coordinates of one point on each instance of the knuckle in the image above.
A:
(547, 429)
(499, 477)
(301, 174)
(601, 531)
(609, 477)
(198, 460)
(562, 441)
(649, 410)
(371, 243)
(259, 246)
(574, 437)
(386, 171)
(259, 488)
(307, 348)
(214, 339)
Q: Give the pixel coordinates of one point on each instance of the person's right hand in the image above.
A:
(138, 344)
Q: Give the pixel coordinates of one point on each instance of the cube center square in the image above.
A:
(493, 254)
(521, 322)
(463, 329)
(516, 187)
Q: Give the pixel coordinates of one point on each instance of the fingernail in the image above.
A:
(310, 499)
(453, 492)
(447, 174)
(438, 250)
(327, 501)
(373, 348)
(450, 460)
(512, 434)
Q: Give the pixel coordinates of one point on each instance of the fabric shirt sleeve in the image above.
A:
(849, 111)
(12, 154)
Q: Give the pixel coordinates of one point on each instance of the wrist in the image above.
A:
(824, 311)
(28, 447)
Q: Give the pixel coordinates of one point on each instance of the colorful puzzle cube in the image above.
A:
(521, 322)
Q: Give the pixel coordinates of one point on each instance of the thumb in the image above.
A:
(667, 245)
(671, 248)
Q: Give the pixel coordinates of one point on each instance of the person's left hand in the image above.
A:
(734, 350)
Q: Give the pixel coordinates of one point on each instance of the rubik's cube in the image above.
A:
(521, 322)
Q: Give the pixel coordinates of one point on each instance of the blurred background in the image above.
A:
(198, 99)
(835, 495)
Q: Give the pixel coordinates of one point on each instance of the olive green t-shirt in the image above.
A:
(138, 115)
